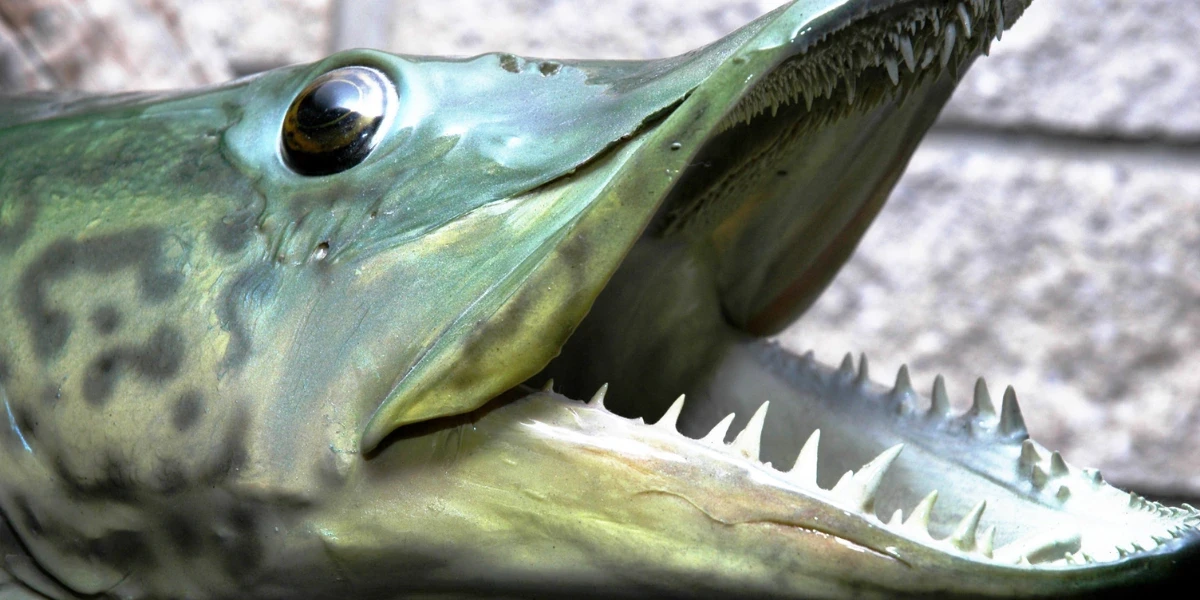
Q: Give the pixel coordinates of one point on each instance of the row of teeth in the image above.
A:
(931, 35)
(857, 490)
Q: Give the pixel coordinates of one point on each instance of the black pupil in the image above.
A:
(331, 125)
(329, 102)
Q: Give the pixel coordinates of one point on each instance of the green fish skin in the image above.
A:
(290, 337)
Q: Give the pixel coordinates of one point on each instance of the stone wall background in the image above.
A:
(1046, 235)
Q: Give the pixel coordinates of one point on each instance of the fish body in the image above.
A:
(287, 336)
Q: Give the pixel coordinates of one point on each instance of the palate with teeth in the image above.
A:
(296, 336)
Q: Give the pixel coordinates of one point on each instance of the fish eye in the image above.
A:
(332, 125)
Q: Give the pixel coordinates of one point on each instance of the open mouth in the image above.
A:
(776, 196)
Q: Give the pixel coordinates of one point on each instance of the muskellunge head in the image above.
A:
(351, 283)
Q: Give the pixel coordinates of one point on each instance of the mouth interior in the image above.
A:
(971, 486)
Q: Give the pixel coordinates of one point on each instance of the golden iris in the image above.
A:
(332, 124)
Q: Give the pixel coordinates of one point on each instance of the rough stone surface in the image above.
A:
(261, 34)
(1093, 68)
(568, 28)
(1070, 272)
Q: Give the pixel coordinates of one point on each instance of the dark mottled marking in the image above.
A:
(232, 233)
(187, 410)
(243, 551)
(140, 248)
(106, 319)
(170, 477)
(115, 482)
(550, 68)
(158, 360)
(510, 63)
(124, 549)
(181, 533)
(230, 456)
(5, 369)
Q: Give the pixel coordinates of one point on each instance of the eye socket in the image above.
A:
(331, 126)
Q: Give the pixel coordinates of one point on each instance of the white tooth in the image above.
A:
(804, 472)
(549, 385)
(963, 537)
(937, 23)
(1011, 421)
(598, 398)
(998, 13)
(918, 520)
(716, 437)
(928, 59)
(1058, 467)
(906, 52)
(939, 405)
(1038, 477)
(897, 518)
(1063, 493)
(860, 488)
(965, 17)
(1029, 455)
(903, 388)
(982, 405)
(987, 543)
(748, 443)
(1040, 547)
(850, 91)
(948, 47)
(864, 374)
(670, 419)
(893, 69)
(846, 370)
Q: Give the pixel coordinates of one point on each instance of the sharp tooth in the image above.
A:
(804, 472)
(897, 518)
(846, 371)
(1094, 476)
(598, 398)
(906, 52)
(748, 443)
(940, 404)
(859, 488)
(850, 91)
(1029, 455)
(963, 537)
(948, 46)
(893, 69)
(1040, 547)
(998, 14)
(987, 543)
(981, 405)
(548, 386)
(1058, 467)
(716, 437)
(670, 419)
(937, 23)
(903, 388)
(1011, 421)
(1063, 493)
(965, 17)
(864, 374)
(1038, 477)
(918, 521)
(930, 55)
